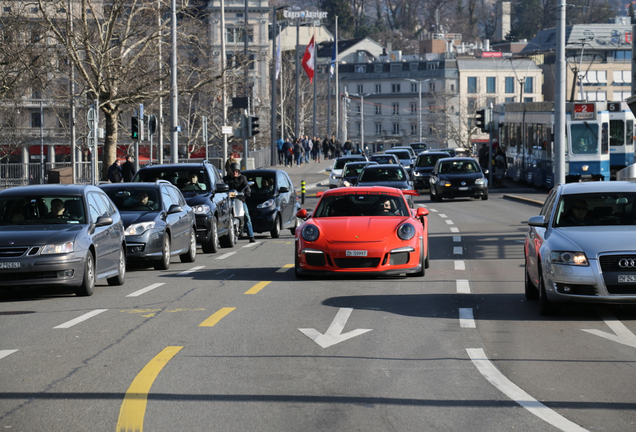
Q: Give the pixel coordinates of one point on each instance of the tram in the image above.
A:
(621, 136)
(527, 132)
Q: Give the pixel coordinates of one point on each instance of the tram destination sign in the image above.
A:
(584, 111)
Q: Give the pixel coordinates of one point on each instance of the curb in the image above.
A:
(530, 201)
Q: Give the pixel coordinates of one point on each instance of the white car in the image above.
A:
(336, 169)
(581, 248)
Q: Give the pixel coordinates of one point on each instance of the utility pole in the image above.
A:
(174, 95)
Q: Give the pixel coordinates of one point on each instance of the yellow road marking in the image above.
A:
(133, 408)
(256, 288)
(284, 268)
(216, 317)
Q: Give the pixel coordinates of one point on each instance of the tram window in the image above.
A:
(617, 133)
(630, 132)
(584, 138)
(605, 139)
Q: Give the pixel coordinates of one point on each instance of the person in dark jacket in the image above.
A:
(299, 151)
(288, 149)
(237, 181)
(114, 172)
(128, 169)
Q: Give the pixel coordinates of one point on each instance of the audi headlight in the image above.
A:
(57, 248)
(139, 228)
(568, 258)
(480, 181)
(310, 233)
(201, 209)
(406, 231)
(268, 203)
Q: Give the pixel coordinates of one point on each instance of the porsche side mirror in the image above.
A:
(421, 211)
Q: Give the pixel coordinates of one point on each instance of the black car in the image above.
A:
(351, 171)
(157, 220)
(449, 151)
(61, 235)
(394, 176)
(273, 203)
(203, 189)
(458, 177)
(338, 165)
(405, 156)
(424, 165)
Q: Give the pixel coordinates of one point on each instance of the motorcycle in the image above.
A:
(238, 210)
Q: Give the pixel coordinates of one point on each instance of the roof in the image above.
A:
(326, 48)
(496, 64)
(591, 36)
(599, 187)
(51, 189)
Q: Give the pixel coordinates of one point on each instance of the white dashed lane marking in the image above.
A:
(145, 290)
(192, 270)
(466, 318)
(4, 353)
(460, 265)
(80, 319)
(463, 286)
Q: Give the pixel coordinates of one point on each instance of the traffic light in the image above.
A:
(134, 128)
(252, 126)
(152, 124)
(480, 120)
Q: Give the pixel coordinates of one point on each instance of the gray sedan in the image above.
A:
(581, 248)
(62, 235)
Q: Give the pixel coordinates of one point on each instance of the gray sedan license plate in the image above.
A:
(358, 253)
(9, 265)
(463, 188)
(627, 278)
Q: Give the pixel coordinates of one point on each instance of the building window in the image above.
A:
(359, 108)
(378, 68)
(396, 108)
(452, 87)
(413, 87)
(36, 120)
(593, 96)
(595, 78)
(472, 105)
(378, 128)
(359, 127)
(413, 129)
(622, 55)
(395, 88)
(7, 9)
(622, 78)
(361, 68)
(529, 85)
(431, 86)
(396, 128)
(510, 99)
(510, 85)
(413, 107)
(472, 85)
(36, 94)
(434, 65)
(528, 99)
(621, 95)
(378, 109)
(378, 88)
(360, 88)
(34, 10)
(413, 66)
(396, 67)
(491, 85)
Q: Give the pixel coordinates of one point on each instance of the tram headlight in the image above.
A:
(585, 167)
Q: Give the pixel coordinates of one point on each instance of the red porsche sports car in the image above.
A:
(362, 230)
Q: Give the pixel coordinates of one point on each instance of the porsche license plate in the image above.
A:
(356, 253)
(627, 278)
(9, 265)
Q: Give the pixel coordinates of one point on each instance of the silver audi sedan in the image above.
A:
(581, 247)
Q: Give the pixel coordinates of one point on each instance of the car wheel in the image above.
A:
(297, 266)
(212, 245)
(229, 240)
(121, 274)
(276, 231)
(484, 197)
(531, 291)
(164, 262)
(422, 272)
(191, 255)
(293, 229)
(546, 307)
(87, 288)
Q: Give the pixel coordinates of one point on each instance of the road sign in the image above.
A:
(227, 130)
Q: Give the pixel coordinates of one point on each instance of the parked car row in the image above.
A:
(75, 235)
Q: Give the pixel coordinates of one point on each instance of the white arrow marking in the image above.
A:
(621, 333)
(334, 334)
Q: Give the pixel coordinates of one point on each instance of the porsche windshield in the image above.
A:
(361, 204)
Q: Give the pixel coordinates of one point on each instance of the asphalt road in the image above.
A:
(233, 342)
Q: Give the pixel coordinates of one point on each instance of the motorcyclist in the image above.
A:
(237, 181)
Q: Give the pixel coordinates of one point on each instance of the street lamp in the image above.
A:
(420, 103)
(361, 96)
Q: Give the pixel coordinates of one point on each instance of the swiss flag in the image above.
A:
(308, 60)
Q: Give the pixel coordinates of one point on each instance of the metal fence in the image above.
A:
(18, 174)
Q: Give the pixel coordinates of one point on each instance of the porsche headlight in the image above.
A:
(406, 231)
(480, 181)
(57, 248)
(310, 233)
(139, 228)
(201, 209)
(568, 258)
(268, 203)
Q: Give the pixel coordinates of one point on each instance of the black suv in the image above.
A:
(203, 189)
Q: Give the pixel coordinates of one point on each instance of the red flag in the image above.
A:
(308, 60)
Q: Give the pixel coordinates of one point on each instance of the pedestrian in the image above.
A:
(316, 150)
(325, 147)
(288, 149)
(238, 182)
(500, 167)
(114, 172)
(348, 147)
(298, 152)
(482, 157)
(281, 153)
(128, 169)
(337, 148)
(228, 163)
(310, 148)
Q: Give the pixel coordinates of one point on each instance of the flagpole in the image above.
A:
(274, 148)
(282, 98)
(315, 78)
(337, 86)
(297, 130)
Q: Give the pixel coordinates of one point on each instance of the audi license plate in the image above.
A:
(356, 253)
(9, 265)
(627, 278)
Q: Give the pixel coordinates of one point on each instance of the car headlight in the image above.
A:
(568, 258)
(417, 173)
(139, 228)
(201, 209)
(268, 203)
(333, 175)
(480, 181)
(406, 231)
(346, 183)
(57, 248)
(445, 183)
(310, 233)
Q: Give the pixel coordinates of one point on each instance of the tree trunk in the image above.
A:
(110, 143)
